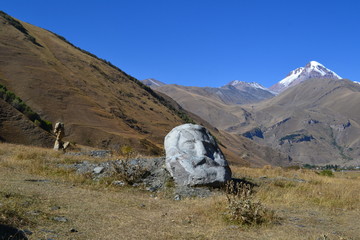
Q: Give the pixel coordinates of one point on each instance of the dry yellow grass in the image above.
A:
(307, 210)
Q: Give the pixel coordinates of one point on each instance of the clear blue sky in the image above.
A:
(206, 42)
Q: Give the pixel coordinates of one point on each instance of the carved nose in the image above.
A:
(200, 149)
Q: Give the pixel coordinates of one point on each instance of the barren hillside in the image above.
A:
(314, 122)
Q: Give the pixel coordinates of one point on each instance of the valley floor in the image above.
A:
(309, 206)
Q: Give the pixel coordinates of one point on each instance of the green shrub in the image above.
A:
(327, 173)
(21, 106)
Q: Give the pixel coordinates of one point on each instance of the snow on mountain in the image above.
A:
(312, 70)
(236, 83)
(291, 76)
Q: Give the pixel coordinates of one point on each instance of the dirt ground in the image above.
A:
(130, 213)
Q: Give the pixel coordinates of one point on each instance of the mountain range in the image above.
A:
(310, 116)
(100, 105)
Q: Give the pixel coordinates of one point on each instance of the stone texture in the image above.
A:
(193, 157)
(59, 131)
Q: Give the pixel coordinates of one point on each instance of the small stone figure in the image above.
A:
(59, 131)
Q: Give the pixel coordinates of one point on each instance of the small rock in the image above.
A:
(177, 197)
(98, 170)
(60, 219)
(55, 208)
(119, 183)
(73, 230)
(142, 205)
(151, 189)
(34, 213)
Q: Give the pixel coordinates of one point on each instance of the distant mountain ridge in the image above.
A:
(235, 92)
(311, 70)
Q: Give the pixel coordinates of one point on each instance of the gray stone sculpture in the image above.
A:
(59, 131)
(193, 157)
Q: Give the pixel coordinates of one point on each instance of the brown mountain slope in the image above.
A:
(238, 149)
(99, 104)
(16, 128)
(205, 104)
(316, 122)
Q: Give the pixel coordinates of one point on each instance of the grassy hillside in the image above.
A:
(100, 104)
(35, 191)
(15, 127)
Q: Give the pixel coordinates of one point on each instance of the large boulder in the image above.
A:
(193, 157)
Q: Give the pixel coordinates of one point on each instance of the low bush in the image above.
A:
(243, 209)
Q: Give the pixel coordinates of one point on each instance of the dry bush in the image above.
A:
(243, 209)
(128, 172)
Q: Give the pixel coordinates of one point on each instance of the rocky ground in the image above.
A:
(149, 173)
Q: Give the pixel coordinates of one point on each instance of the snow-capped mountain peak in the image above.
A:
(311, 70)
(318, 67)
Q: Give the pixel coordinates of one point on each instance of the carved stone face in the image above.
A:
(194, 158)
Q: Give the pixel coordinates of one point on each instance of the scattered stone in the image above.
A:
(193, 157)
(151, 189)
(118, 183)
(142, 205)
(100, 153)
(98, 170)
(60, 219)
(53, 208)
(34, 213)
(154, 176)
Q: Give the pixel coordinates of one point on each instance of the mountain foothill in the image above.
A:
(311, 116)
